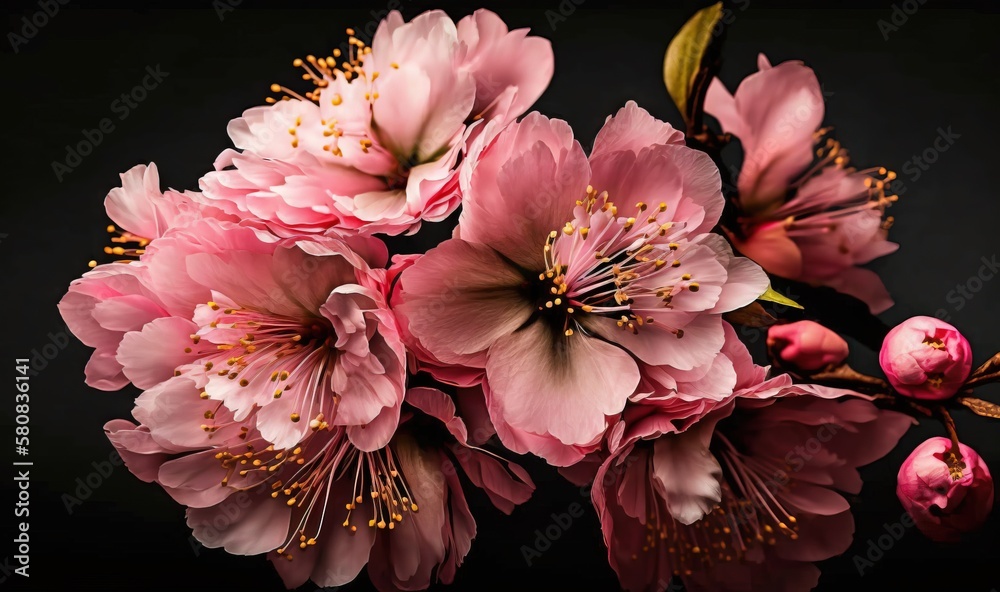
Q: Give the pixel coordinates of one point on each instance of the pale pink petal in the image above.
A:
(550, 384)
(687, 475)
(257, 529)
(503, 61)
(658, 344)
(151, 355)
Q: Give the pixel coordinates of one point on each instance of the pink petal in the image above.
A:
(686, 474)
(439, 406)
(655, 344)
(256, 529)
(141, 454)
(151, 355)
(865, 285)
(343, 554)
(461, 297)
(528, 177)
(771, 248)
(632, 129)
(564, 386)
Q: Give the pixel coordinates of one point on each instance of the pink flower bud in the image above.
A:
(945, 499)
(926, 358)
(806, 344)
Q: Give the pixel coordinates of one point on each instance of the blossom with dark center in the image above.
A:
(566, 270)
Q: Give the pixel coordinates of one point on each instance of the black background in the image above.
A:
(887, 98)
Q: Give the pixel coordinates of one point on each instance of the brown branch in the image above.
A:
(985, 374)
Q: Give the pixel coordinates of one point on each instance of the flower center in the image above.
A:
(303, 478)
(820, 216)
(264, 353)
(934, 342)
(602, 263)
(751, 513)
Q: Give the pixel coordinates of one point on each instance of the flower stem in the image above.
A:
(954, 456)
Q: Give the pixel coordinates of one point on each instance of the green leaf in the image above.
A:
(770, 295)
(683, 70)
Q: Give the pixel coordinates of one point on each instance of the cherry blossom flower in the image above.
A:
(744, 498)
(321, 509)
(807, 220)
(565, 269)
(374, 148)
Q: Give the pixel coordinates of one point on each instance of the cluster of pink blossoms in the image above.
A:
(577, 314)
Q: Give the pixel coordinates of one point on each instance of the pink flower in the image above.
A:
(746, 497)
(807, 345)
(926, 358)
(112, 300)
(100, 308)
(374, 148)
(809, 221)
(322, 509)
(565, 270)
(284, 332)
(946, 496)
(144, 212)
